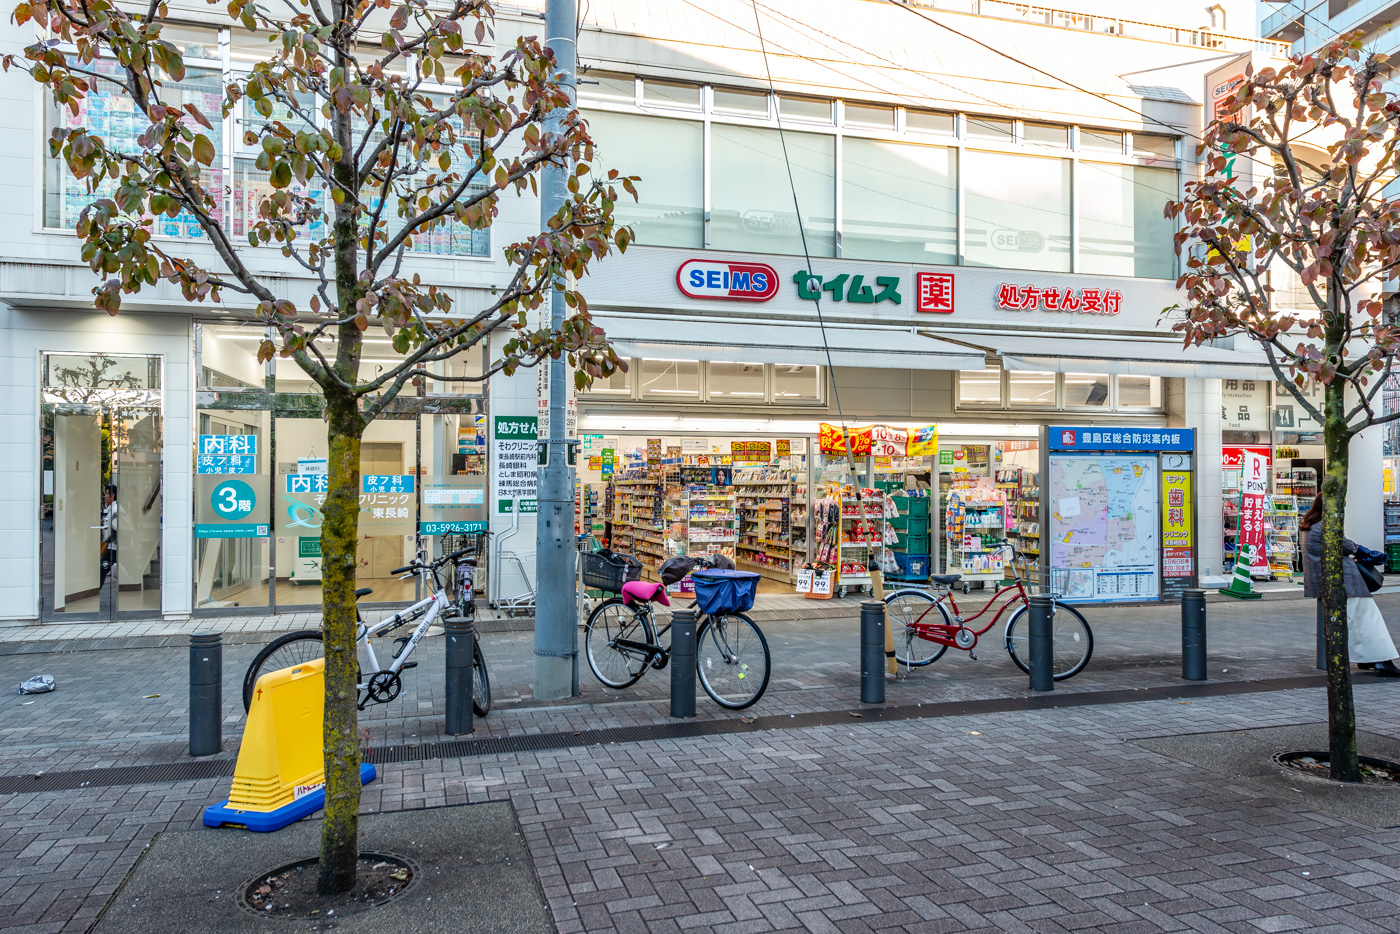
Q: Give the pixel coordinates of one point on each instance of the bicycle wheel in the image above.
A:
(903, 609)
(1072, 645)
(618, 666)
(732, 659)
(283, 652)
(481, 683)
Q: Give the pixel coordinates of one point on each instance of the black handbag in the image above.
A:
(1372, 577)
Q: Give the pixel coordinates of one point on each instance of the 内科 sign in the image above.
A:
(227, 454)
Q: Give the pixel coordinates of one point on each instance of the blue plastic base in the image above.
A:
(217, 815)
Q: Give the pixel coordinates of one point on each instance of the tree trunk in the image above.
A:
(1341, 709)
(339, 537)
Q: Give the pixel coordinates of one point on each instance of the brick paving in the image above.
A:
(1045, 821)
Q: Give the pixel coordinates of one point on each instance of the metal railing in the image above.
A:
(1105, 25)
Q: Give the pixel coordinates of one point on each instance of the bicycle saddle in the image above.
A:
(644, 591)
(363, 592)
(945, 579)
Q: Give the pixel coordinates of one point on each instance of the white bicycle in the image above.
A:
(385, 684)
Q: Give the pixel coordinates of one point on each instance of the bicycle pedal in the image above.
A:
(972, 655)
(408, 665)
(661, 662)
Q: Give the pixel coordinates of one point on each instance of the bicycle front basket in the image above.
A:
(607, 571)
(718, 592)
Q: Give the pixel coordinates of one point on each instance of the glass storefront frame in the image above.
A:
(281, 552)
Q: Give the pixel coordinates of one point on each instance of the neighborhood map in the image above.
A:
(1104, 527)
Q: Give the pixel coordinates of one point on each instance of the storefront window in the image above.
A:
(1086, 389)
(1122, 228)
(979, 387)
(231, 493)
(900, 202)
(1018, 212)
(793, 383)
(752, 200)
(251, 186)
(1139, 392)
(805, 109)
(110, 114)
(671, 94)
(228, 356)
(377, 357)
(1030, 388)
(737, 382)
(606, 86)
(668, 155)
(618, 384)
(671, 379)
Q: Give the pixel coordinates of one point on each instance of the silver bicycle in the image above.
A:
(385, 683)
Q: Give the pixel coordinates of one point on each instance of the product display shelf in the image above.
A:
(764, 498)
(1281, 536)
(1022, 491)
(707, 521)
(974, 517)
(862, 540)
(911, 548)
(638, 521)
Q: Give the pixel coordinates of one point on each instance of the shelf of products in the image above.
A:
(852, 531)
(975, 517)
(1021, 488)
(639, 520)
(765, 504)
(1281, 535)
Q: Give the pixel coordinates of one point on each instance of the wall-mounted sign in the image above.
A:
(934, 292)
(1103, 439)
(1244, 405)
(1050, 298)
(744, 282)
(227, 454)
(848, 287)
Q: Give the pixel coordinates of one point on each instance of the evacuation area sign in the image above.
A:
(515, 450)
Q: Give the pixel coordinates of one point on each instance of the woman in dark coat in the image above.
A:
(1368, 641)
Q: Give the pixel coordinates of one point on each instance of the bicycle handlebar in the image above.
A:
(432, 565)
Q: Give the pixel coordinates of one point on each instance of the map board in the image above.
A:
(1105, 527)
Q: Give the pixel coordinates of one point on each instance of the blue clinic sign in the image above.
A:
(306, 483)
(233, 511)
(227, 454)
(1121, 439)
(386, 483)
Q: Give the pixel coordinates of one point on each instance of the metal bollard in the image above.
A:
(683, 651)
(206, 694)
(1042, 643)
(1193, 634)
(1321, 638)
(872, 652)
(461, 640)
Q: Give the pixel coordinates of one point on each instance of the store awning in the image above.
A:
(673, 338)
(1086, 354)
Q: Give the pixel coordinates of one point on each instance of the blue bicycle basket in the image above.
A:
(718, 592)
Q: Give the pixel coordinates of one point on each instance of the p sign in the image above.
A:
(742, 282)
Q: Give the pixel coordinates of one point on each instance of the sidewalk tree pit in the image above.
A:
(361, 162)
(1321, 217)
(1315, 764)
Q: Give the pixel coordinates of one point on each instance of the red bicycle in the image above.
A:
(921, 636)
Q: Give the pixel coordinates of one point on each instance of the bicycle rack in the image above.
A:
(522, 602)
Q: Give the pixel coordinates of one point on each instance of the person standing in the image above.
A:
(108, 558)
(1368, 641)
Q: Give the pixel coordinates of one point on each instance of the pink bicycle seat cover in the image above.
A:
(645, 590)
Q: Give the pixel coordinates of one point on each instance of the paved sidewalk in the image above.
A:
(1045, 820)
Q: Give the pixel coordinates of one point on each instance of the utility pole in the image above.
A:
(556, 636)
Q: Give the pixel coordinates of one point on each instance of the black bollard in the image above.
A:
(683, 663)
(1042, 643)
(872, 652)
(1321, 638)
(461, 640)
(206, 694)
(1193, 634)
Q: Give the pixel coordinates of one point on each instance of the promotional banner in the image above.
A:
(1178, 535)
(880, 440)
(1253, 488)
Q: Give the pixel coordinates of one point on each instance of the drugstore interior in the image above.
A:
(776, 505)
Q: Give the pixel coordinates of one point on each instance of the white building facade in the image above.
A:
(955, 215)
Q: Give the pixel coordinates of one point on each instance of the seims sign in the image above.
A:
(744, 282)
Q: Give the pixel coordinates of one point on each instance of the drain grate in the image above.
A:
(546, 742)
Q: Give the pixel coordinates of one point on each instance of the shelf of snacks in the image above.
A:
(852, 532)
(1281, 535)
(639, 516)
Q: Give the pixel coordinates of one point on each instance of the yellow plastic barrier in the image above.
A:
(280, 776)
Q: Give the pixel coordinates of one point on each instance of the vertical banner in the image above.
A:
(1253, 488)
(1178, 534)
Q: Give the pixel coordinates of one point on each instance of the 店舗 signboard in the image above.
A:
(227, 496)
(662, 279)
(515, 462)
(1117, 513)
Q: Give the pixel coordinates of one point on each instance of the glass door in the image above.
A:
(100, 523)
